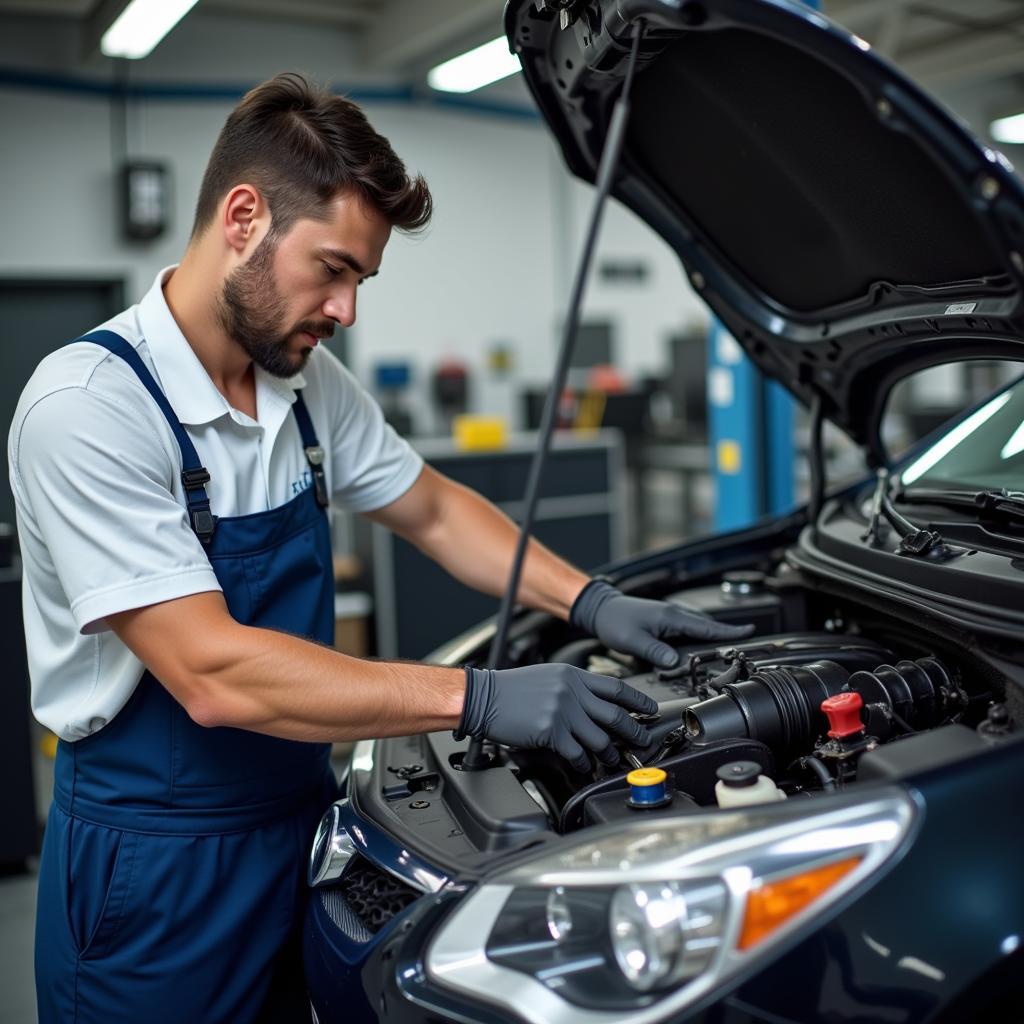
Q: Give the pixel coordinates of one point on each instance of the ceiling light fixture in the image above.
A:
(141, 25)
(475, 68)
(1008, 129)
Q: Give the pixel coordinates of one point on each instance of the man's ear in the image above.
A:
(245, 218)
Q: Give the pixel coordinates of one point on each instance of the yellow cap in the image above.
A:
(646, 777)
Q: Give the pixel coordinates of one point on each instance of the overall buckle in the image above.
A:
(315, 458)
(193, 478)
(204, 522)
(202, 519)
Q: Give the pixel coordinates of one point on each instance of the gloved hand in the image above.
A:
(638, 626)
(556, 706)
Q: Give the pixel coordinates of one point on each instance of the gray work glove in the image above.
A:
(559, 707)
(638, 626)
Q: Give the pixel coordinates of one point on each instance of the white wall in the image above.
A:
(494, 267)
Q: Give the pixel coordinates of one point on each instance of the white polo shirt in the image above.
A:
(95, 471)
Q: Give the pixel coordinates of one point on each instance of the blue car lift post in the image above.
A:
(750, 426)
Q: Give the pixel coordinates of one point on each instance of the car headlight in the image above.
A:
(642, 921)
(663, 934)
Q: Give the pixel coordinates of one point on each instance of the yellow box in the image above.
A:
(479, 433)
(730, 457)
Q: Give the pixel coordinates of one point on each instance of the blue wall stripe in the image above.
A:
(456, 101)
(14, 78)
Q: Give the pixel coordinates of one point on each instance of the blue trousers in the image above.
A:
(198, 929)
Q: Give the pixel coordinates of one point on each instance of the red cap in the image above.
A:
(843, 712)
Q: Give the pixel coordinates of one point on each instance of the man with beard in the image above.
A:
(172, 471)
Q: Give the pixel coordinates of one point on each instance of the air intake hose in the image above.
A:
(921, 693)
(781, 707)
(776, 706)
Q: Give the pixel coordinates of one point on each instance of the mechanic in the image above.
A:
(172, 472)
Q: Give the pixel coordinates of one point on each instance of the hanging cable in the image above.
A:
(475, 757)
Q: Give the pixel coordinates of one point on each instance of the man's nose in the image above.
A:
(341, 306)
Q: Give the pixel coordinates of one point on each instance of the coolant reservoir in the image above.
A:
(741, 783)
(647, 788)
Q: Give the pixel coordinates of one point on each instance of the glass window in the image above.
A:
(985, 450)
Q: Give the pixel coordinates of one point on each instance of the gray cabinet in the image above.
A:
(580, 515)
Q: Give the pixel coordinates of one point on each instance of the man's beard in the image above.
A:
(252, 312)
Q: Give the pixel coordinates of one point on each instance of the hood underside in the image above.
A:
(846, 229)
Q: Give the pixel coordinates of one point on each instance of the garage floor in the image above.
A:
(17, 926)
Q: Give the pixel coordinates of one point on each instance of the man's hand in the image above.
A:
(556, 706)
(638, 626)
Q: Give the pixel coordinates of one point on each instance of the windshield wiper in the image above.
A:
(913, 540)
(1001, 502)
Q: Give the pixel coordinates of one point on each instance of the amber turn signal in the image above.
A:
(772, 904)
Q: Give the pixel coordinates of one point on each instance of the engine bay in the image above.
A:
(761, 703)
(809, 710)
(828, 693)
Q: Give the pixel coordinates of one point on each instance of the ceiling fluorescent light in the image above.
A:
(1008, 129)
(141, 25)
(475, 68)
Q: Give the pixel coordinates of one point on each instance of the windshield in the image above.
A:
(983, 451)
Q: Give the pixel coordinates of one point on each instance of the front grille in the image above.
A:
(365, 900)
(343, 916)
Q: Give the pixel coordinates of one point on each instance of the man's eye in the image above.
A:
(332, 271)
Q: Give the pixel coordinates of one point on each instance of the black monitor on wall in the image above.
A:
(687, 381)
(595, 345)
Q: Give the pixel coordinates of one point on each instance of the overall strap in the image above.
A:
(314, 452)
(194, 475)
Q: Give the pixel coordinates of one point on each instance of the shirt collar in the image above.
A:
(192, 394)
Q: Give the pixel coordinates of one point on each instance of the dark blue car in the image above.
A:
(827, 826)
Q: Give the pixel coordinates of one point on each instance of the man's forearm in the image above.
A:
(333, 696)
(224, 673)
(476, 542)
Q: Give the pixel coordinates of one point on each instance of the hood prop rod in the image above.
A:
(475, 757)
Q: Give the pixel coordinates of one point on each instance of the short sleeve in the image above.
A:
(94, 482)
(371, 465)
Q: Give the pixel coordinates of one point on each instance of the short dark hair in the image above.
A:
(301, 145)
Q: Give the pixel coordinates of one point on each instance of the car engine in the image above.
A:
(787, 714)
(833, 690)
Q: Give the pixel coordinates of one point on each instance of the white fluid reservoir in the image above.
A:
(740, 783)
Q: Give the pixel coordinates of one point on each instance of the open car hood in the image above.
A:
(845, 227)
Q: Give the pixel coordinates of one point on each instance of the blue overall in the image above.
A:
(172, 879)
